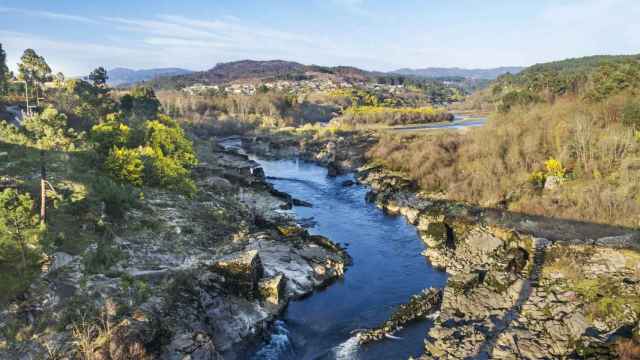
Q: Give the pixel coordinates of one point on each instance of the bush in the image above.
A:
(631, 114)
(156, 153)
(393, 116)
(118, 198)
(108, 135)
(554, 168)
(125, 165)
(49, 130)
(167, 172)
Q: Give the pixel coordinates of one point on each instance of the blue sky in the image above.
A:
(76, 36)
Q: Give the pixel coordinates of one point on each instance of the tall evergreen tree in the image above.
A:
(99, 77)
(33, 69)
(4, 71)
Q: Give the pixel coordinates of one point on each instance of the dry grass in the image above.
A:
(491, 166)
(627, 350)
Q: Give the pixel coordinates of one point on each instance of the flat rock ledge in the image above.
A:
(419, 307)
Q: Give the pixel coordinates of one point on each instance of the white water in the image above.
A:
(279, 345)
(348, 350)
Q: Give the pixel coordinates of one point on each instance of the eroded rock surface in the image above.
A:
(512, 293)
(182, 278)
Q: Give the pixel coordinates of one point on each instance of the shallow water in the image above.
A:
(387, 269)
(460, 122)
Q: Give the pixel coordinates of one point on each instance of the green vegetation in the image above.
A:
(155, 152)
(5, 74)
(100, 152)
(18, 225)
(83, 103)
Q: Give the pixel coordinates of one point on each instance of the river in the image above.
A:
(387, 269)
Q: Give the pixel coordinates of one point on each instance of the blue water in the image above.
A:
(387, 269)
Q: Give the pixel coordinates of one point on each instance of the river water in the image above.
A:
(387, 269)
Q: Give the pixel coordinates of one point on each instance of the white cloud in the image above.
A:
(73, 58)
(49, 15)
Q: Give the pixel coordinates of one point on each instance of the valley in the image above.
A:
(271, 209)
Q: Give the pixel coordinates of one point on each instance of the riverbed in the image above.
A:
(387, 269)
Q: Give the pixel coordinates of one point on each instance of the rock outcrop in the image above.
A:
(419, 307)
(512, 293)
(200, 278)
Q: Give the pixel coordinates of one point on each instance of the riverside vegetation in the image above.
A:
(158, 243)
(137, 228)
(556, 163)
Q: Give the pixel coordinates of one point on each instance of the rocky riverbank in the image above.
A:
(520, 286)
(339, 153)
(513, 293)
(197, 278)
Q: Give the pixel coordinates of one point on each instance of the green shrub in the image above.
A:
(117, 197)
(108, 135)
(167, 172)
(125, 165)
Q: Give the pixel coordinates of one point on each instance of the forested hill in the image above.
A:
(435, 72)
(577, 65)
(251, 70)
(593, 77)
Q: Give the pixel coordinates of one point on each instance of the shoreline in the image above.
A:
(498, 263)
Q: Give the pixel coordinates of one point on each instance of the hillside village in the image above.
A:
(289, 86)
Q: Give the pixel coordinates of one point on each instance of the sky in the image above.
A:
(76, 36)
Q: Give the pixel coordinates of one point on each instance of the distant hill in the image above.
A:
(435, 72)
(255, 70)
(122, 76)
(576, 65)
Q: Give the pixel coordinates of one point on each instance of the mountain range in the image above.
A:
(437, 72)
(122, 76)
(284, 70)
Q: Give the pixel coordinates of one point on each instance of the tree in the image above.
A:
(59, 79)
(18, 224)
(99, 77)
(33, 69)
(49, 131)
(4, 71)
(140, 104)
(85, 103)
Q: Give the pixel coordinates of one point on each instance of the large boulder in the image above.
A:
(240, 273)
